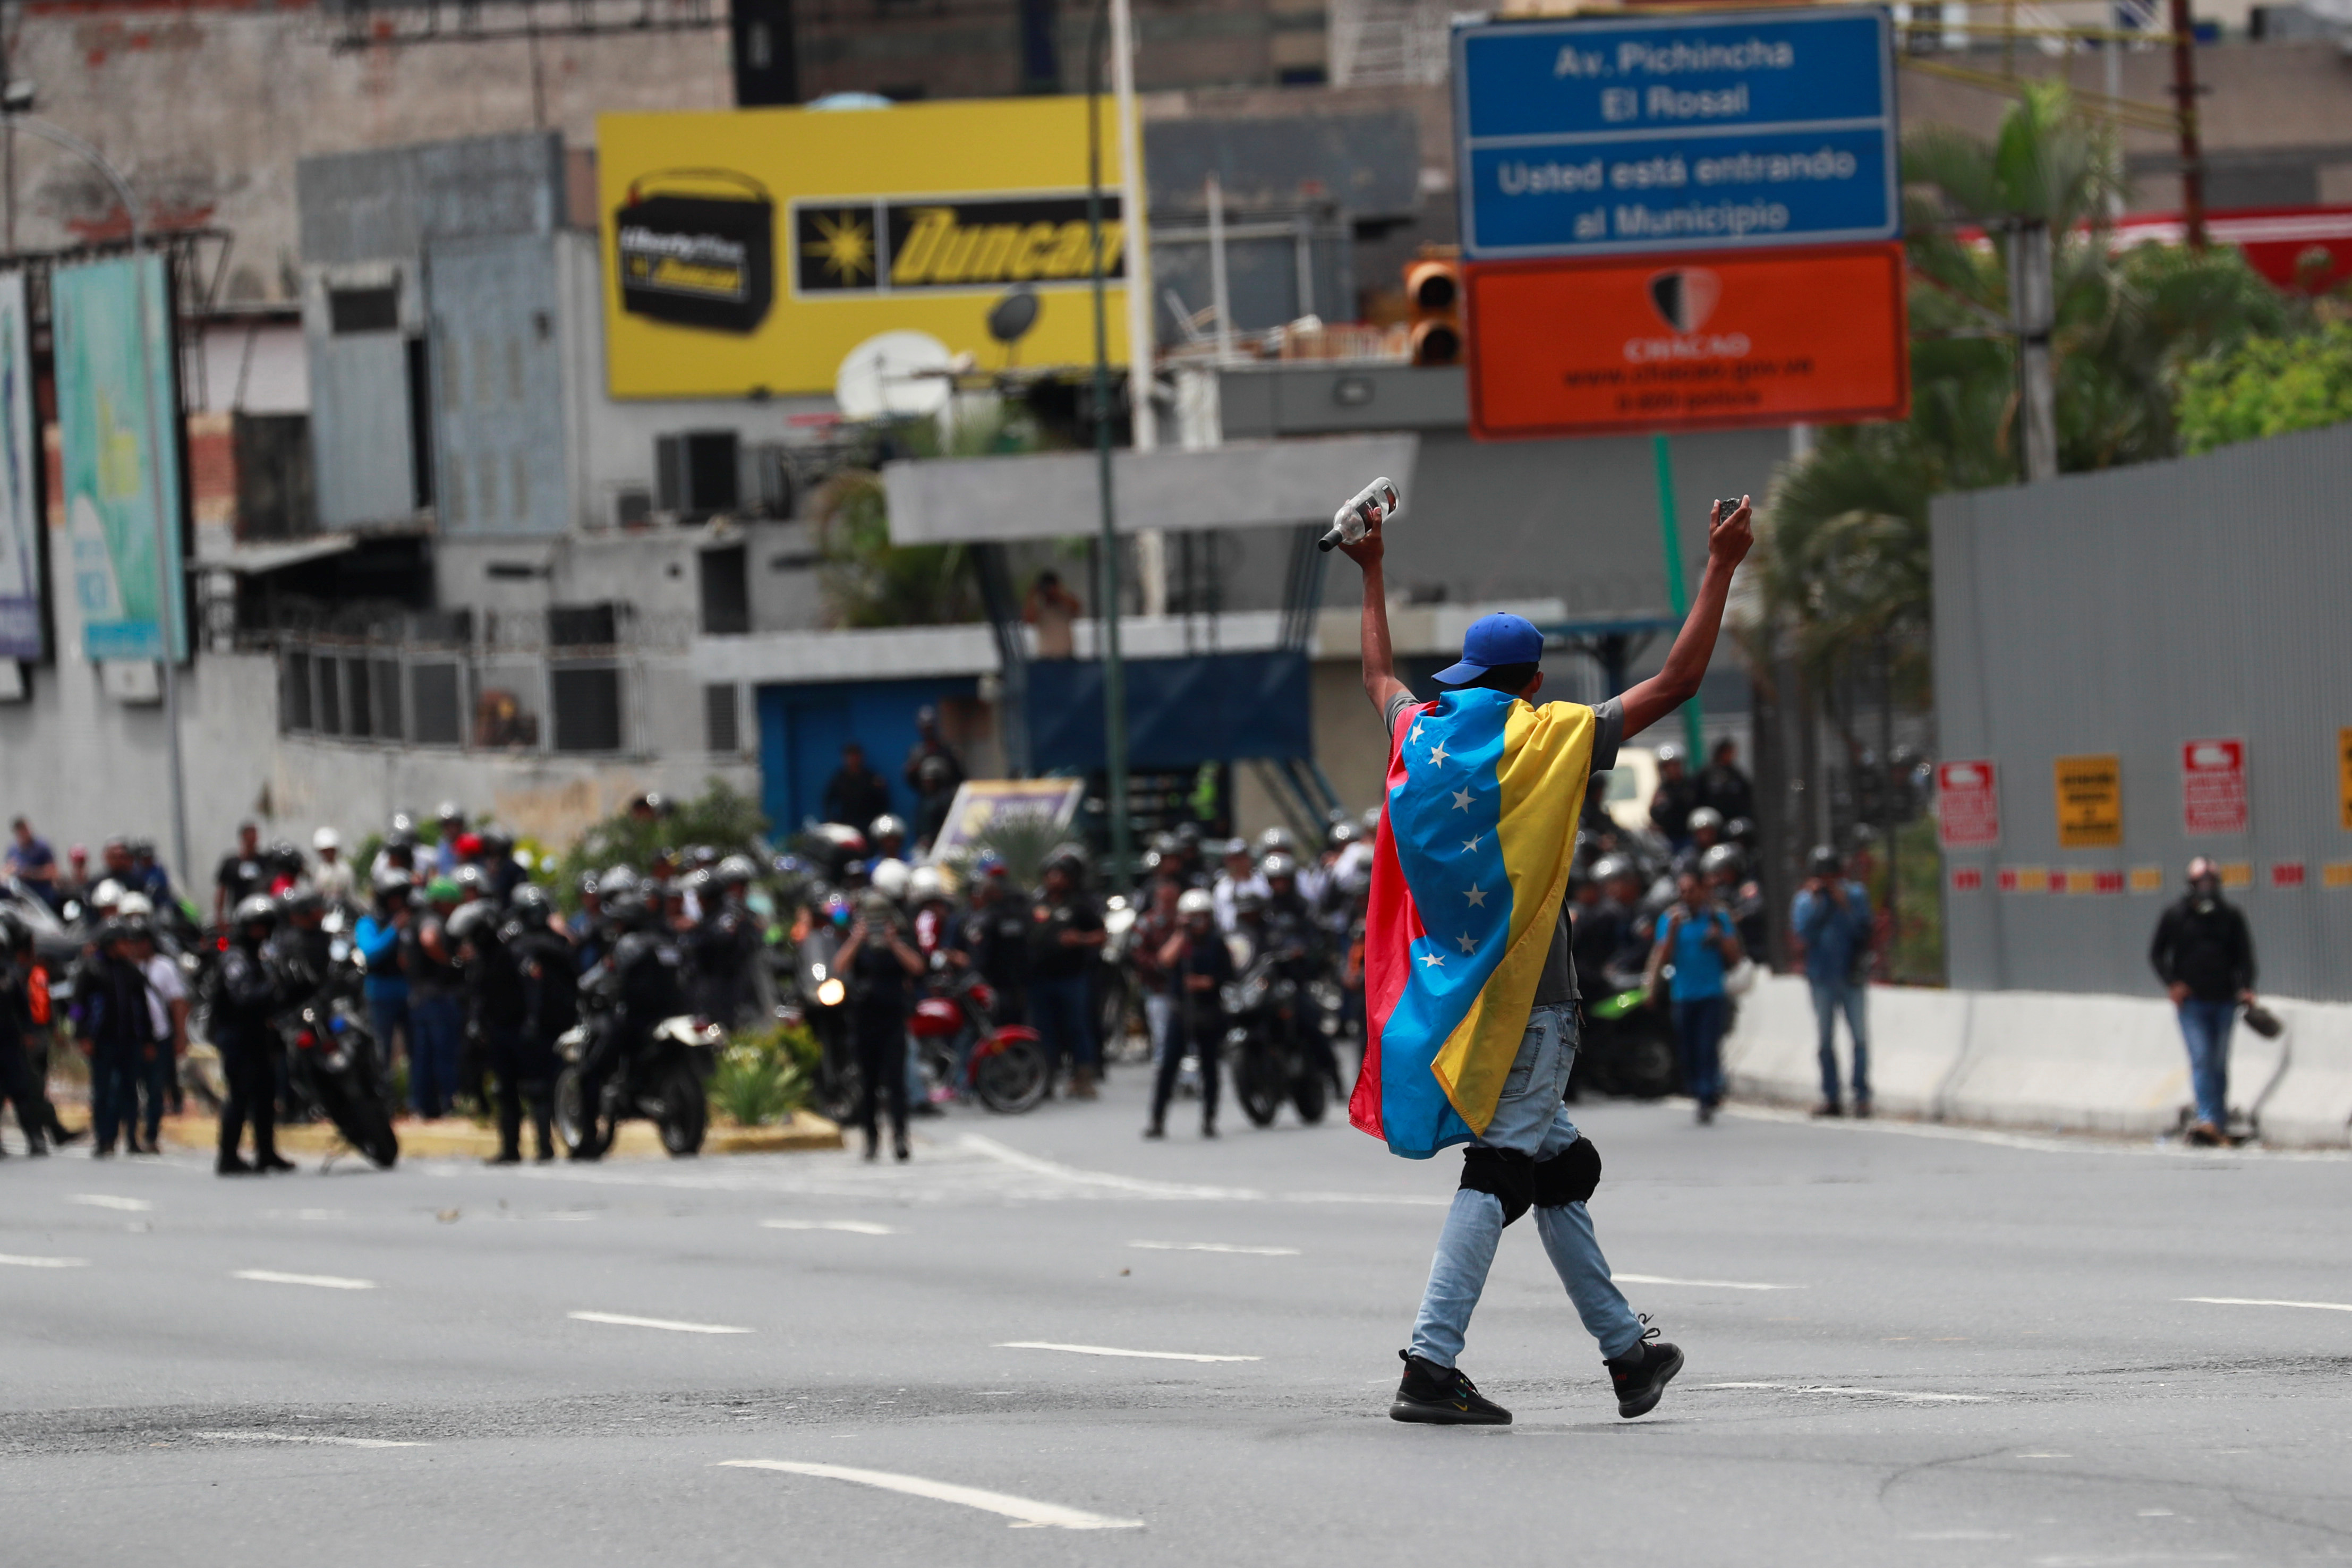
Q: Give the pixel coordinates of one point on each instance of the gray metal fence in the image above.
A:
(2177, 632)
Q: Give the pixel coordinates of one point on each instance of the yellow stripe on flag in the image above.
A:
(1546, 762)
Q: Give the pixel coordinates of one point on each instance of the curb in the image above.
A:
(455, 1138)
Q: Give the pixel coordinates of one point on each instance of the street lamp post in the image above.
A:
(165, 585)
(1107, 588)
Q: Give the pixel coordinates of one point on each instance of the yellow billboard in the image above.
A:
(748, 251)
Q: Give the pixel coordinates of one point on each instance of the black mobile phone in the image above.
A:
(1725, 507)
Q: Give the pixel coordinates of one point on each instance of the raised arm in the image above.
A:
(1380, 665)
(1676, 682)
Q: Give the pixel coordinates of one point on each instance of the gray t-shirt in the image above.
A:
(1557, 985)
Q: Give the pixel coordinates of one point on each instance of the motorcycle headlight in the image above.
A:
(832, 993)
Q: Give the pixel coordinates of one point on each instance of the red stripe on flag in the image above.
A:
(1391, 925)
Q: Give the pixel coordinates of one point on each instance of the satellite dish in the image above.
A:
(1010, 319)
(893, 374)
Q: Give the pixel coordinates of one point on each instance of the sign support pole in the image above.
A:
(1106, 589)
(1662, 449)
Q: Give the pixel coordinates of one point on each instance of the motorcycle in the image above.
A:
(817, 997)
(662, 1081)
(1279, 1042)
(330, 1068)
(1628, 1046)
(1006, 1068)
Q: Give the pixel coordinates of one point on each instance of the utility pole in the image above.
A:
(2032, 314)
(1134, 212)
(2192, 156)
(1106, 589)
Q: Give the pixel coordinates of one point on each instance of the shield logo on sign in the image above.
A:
(1686, 296)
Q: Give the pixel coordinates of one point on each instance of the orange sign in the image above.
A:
(1577, 348)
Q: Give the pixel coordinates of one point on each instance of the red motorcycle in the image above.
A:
(962, 1047)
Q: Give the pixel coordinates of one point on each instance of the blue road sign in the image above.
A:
(1593, 137)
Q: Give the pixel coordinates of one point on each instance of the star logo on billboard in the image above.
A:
(1684, 297)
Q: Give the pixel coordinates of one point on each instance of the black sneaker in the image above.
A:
(231, 1165)
(1441, 1397)
(1641, 1373)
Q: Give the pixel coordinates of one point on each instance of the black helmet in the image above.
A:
(469, 922)
(1707, 818)
(735, 870)
(1719, 857)
(390, 883)
(471, 881)
(588, 886)
(1248, 902)
(1824, 861)
(531, 899)
(300, 900)
(1610, 867)
(256, 910)
(617, 884)
(1278, 864)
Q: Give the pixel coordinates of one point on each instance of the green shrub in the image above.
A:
(763, 1075)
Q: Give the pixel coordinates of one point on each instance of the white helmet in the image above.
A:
(134, 904)
(925, 883)
(326, 838)
(890, 878)
(107, 895)
(1195, 901)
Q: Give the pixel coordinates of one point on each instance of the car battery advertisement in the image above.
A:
(747, 252)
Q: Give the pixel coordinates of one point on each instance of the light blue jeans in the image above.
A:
(1831, 997)
(2206, 1027)
(1531, 1120)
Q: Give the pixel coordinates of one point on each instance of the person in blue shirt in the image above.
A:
(1697, 938)
(378, 938)
(1831, 917)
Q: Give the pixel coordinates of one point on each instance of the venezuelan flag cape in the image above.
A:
(1468, 869)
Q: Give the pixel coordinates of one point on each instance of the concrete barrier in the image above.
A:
(1916, 1040)
(2049, 1061)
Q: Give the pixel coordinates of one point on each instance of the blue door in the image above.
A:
(803, 728)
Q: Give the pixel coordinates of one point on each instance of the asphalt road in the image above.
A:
(1974, 1349)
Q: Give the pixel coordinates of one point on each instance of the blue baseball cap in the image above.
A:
(1494, 640)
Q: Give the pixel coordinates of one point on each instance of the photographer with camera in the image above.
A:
(1831, 916)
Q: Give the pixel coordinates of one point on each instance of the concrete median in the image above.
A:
(2048, 1061)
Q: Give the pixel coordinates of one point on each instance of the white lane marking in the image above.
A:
(673, 1325)
(1108, 1349)
(324, 1281)
(2078, 1144)
(1956, 1535)
(1698, 1284)
(2258, 1302)
(18, 1261)
(853, 1226)
(1913, 1396)
(1215, 1246)
(109, 1200)
(1143, 1187)
(2041, 1454)
(305, 1437)
(302, 1213)
(1023, 1512)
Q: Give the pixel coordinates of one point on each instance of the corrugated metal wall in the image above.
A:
(498, 382)
(2128, 613)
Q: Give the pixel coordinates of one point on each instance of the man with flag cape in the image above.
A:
(1469, 990)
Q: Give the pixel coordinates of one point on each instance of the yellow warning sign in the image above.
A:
(2344, 776)
(2090, 801)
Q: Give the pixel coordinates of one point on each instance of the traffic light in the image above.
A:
(1433, 295)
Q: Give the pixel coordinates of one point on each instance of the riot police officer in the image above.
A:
(495, 1003)
(551, 992)
(725, 941)
(247, 994)
(645, 987)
